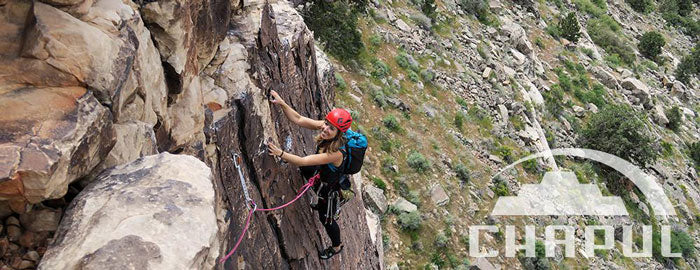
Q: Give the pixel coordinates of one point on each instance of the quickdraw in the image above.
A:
(250, 202)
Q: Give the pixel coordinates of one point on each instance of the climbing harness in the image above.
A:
(249, 202)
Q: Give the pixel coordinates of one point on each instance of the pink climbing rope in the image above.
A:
(303, 190)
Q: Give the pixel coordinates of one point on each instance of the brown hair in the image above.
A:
(332, 145)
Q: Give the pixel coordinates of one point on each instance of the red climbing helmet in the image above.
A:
(340, 119)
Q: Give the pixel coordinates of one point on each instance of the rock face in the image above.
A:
(291, 237)
(157, 211)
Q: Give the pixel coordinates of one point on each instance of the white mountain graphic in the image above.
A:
(559, 193)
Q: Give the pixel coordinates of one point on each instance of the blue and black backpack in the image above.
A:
(353, 155)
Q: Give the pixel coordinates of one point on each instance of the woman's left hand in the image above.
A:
(273, 149)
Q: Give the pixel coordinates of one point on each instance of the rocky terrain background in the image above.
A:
(451, 91)
(119, 120)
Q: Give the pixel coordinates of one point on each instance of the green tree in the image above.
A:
(689, 66)
(650, 44)
(569, 27)
(675, 118)
(429, 8)
(695, 153)
(618, 130)
(335, 24)
(641, 6)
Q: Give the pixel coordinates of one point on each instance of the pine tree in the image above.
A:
(570, 28)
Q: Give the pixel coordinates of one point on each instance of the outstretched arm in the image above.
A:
(310, 160)
(293, 115)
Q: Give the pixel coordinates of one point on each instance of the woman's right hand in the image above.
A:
(276, 99)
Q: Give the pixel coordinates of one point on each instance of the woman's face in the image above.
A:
(328, 131)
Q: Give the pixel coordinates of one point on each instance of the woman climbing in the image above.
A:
(326, 162)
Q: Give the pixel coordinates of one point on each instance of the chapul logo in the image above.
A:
(560, 193)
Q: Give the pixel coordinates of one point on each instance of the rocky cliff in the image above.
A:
(89, 85)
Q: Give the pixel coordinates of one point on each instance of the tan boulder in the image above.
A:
(49, 138)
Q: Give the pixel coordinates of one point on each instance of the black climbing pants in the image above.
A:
(327, 205)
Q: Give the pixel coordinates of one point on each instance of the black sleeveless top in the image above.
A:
(329, 173)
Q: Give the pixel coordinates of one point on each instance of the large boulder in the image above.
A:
(48, 138)
(374, 198)
(154, 213)
(403, 205)
(438, 195)
(638, 88)
(71, 73)
(605, 77)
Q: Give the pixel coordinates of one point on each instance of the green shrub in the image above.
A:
(570, 28)
(355, 116)
(480, 9)
(380, 135)
(462, 173)
(410, 221)
(422, 21)
(414, 197)
(334, 23)
(505, 152)
(428, 75)
(500, 187)
(462, 103)
(481, 117)
(428, 7)
(650, 44)
(603, 4)
(554, 99)
(695, 152)
(539, 42)
(413, 76)
(553, 30)
(687, 25)
(613, 60)
(375, 41)
(403, 60)
(391, 123)
(379, 98)
(558, 3)
(530, 166)
(340, 82)
(379, 183)
(441, 240)
(595, 8)
(675, 118)
(605, 32)
(689, 66)
(618, 130)
(379, 69)
(666, 149)
(641, 6)
(459, 119)
(418, 162)
(387, 163)
(683, 243)
(596, 95)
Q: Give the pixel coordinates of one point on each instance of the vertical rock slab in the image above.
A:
(154, 213)
(282, 57)
(186, 33)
